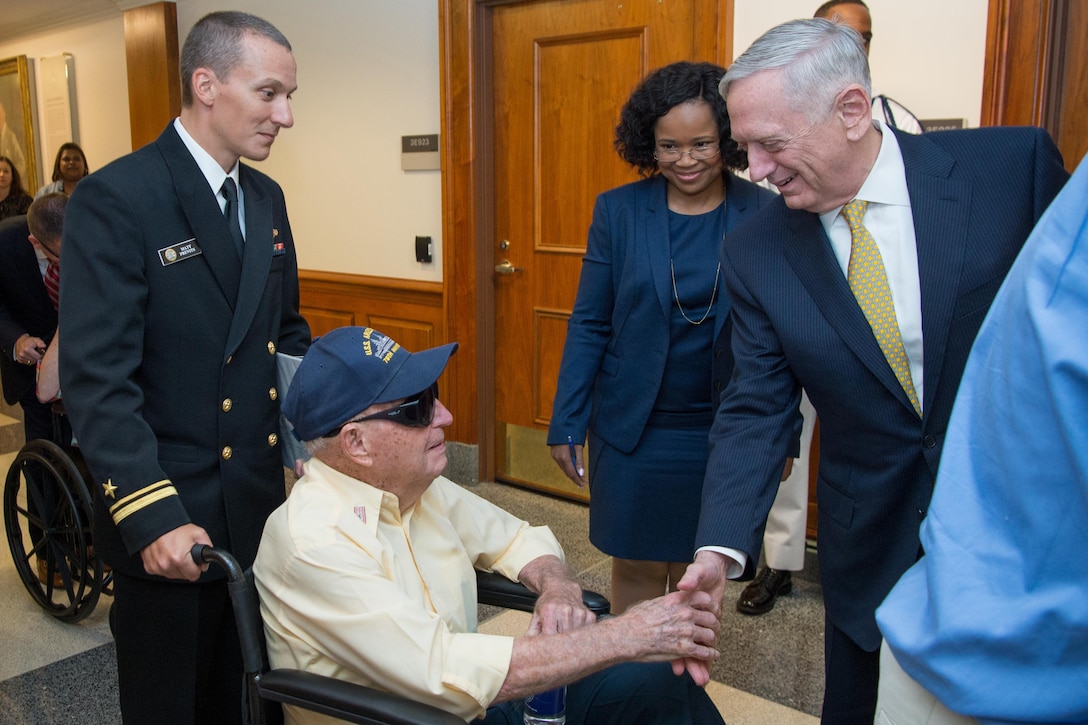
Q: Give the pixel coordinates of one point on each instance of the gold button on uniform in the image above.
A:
(227, 405)
(272, 394)
(273, 439)
(227, 453)
(271, 348)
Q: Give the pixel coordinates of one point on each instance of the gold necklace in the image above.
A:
(676, 296)
(713, 294)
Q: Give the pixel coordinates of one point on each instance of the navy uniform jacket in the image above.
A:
(617, 336)
(975, 196)
(168, 364)
(24, 305)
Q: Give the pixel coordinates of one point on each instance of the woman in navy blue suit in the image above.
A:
(647, 346)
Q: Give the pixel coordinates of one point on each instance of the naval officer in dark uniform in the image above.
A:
(180, 286)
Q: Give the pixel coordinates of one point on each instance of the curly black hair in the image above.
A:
(659, 93)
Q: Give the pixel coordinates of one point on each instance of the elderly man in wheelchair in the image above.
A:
(366, 573)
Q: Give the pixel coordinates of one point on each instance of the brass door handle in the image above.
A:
(505, 267)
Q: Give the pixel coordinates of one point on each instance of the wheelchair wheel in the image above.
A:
(47, 513)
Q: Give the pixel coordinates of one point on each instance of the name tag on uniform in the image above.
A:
(178, 252)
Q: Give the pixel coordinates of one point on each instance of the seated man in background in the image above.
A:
(29, 289)
(366, 573)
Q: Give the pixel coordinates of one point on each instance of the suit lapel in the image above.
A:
(940, 207)
(205, 218)
(809, 253)
(741, 203)
(653, 236)
(258, 257)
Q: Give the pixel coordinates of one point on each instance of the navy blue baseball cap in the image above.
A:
(352, 368)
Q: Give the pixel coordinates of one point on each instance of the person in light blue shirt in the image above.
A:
(992, 623)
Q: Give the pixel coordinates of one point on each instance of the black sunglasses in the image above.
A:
(415, 412)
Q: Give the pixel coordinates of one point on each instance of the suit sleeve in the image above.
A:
(588, 332)
(105, 289)
(753, 429)
(1050, 174)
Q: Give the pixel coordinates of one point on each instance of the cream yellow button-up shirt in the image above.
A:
(352, 589)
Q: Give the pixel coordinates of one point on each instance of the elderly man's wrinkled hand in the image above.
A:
(681, 627)
(560, 609)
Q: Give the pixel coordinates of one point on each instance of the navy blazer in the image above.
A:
(617, 335)
(25, 306)
(168, 361)
(975, 196)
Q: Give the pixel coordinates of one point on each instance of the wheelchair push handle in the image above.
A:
(204, 554)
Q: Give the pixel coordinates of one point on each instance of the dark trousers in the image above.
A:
(643, 693)
(38, 420)
(850, 680)
(178, 658)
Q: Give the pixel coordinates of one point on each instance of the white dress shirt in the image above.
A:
(214, 173)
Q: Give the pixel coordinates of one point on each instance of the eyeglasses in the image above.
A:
(699, 152)
(415, 412)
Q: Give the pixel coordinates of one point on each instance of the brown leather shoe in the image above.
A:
(758, 597)
(43, 575)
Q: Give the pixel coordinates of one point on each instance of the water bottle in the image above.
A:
(547, 708)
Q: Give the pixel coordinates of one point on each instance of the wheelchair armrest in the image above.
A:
(499, 591)
(347, 700)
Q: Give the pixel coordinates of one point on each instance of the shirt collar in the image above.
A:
(887, 180)
(364, 500)
(212, 171)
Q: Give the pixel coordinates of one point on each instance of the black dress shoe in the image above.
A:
(758, 597)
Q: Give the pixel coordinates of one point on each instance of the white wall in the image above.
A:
(928, 54)
(367, 74)
(101, 86)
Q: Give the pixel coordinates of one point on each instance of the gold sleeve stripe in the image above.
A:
(142, 492)
(146, 490)
(121, 514)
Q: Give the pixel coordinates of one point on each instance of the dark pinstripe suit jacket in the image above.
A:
(975, 196)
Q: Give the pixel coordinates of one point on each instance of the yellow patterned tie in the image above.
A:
(869, 283)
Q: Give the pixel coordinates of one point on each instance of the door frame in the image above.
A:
(468, 210)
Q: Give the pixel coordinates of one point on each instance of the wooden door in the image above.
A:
(1036, 71)
(562, 70)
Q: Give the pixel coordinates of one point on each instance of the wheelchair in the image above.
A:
(266, 690)
(48, 512)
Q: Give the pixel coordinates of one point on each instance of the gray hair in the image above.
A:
(316, 445)
(45, 217)
(215, 42)
(819, 59)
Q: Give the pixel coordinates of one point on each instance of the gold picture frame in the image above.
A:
(18, 137)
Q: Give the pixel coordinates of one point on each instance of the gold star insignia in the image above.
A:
(109, 489)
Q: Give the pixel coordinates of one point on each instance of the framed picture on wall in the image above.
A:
(17, 134)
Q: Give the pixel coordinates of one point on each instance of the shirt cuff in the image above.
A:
(736, 560)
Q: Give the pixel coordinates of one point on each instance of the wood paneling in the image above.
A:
(1016, 50)
(151, 53)
(1036, 72)
(408, 311)
(1070, 92)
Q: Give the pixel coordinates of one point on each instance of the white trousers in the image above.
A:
(784, 539)
(902, 701)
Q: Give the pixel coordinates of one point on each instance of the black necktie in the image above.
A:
(230, 211)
